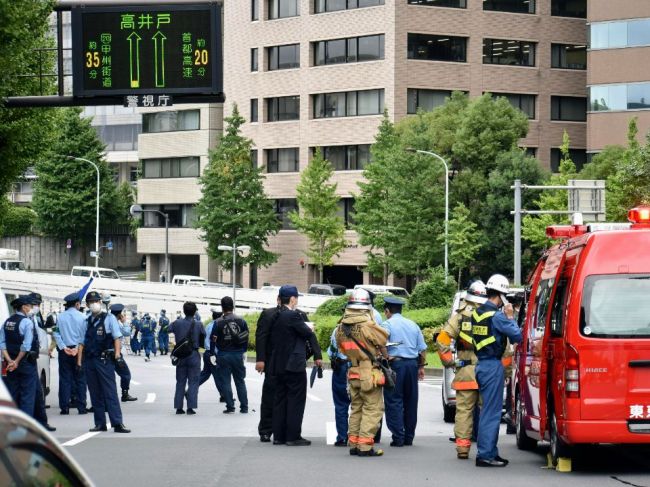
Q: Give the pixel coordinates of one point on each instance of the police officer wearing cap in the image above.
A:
(163, 333)
(122, 369)
(70, 333)
(100, 351)
(408, 359)
(209, 359)
(136, 345)
(147, 334)
(20, 347)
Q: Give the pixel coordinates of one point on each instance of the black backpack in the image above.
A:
(235, 333)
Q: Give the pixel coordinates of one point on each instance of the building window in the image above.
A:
(283, 108)
(119, 137)
(170, 121)
(321, 6)
(631, 33)
(283, 57)
(440, 3)
(569, 108)
(530, 151)
(283, 207)
(347, 157)
(348, 104)
(516, 6)
(280, 9)
(180, 216)
(255, 9)
(567, 56)
(134, 174)
(426, 100)
(254, 59)
(352, 50)
(346, 211)
(633, 96)
(509, 53)
(525, 103)
(254, 156)
(282, 160)
(254, 112)
(437, 48)
(578, 156)
(569, 8)
(171, 167)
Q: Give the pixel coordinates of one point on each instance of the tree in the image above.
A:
(65, 191)
(317, 216)
(233, 207)
(465, 240)
(25, 133)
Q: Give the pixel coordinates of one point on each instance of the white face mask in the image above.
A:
(95, 307)
(30, 312)
(35, 310)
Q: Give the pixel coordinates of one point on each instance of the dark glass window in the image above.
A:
(510, 53)
(347, 157)
(578, 156)
(254, 110)
(284, 57)
(437, 48)
(348, 104)
(279, 9)
(569, 108)
(282, 160)
(355, 49)
(427, 100)
(283, 108)
(345, 211)
(569, 8)
(283, 207)
(516, 6)
(525, 103)
(321, 6)
(255, 9)
(171, 167)
(531, 151)
(440, 3)
(254, 157)
(170, 121)
(119, 137)
(254, 59)
(180, 216)
(568, 56)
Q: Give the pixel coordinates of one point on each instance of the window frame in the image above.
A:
(323, 47)
(254, 110)
(530, 2)
(283, 216)
(276, 152)
(274, 55)
(255, 60)
(418, 93)
(347, 150)
(425, 3)
(561, 49)
(271, 11)
(511, 96)
(173, 163)
(554, 5)
(270, 108)
(412, 46)
(255, 10)
(488, 41)
(351, 99)
(349, 5)
(184, 113)
(559, 99)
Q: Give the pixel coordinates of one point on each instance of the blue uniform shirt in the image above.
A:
(208, 331)
(501, 325)
(125, 328)
(406, 331)
(25, 328)
(334, 346)
(377, 316)
(111, 326)
(71, 326)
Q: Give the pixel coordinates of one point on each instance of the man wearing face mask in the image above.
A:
(122, 369)
(19, 347)
(100, 351)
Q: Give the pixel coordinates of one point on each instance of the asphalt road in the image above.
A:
(216, 449)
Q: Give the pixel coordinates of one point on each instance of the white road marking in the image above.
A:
(330, 432)
(434, 386)
(151, 397)
(314, 398)
(79, 439)
(252, 379)
(135, 383)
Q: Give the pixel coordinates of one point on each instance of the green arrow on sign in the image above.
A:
(134, 54)
(159, 58)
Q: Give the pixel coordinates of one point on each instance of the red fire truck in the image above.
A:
(583, 369)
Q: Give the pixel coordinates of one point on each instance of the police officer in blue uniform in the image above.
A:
(69, 335)
(19, 346)
(100, 353)
(163, 333)
(117, 310)
(340, 365)
(147, 331)
(136, 345)
(407, 360)
(490, 329)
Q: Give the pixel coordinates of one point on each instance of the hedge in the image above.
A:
(18, 221)
(336, 306)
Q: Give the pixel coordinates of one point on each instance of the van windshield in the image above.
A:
(13, 265)
(108, 274)
(616, 306)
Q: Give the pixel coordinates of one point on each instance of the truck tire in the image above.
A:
(524, 442)
(558, 447)
(449, 412)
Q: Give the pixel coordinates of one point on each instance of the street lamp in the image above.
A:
(433, 154)
(97, 212)
(137, 210)
(234, 249)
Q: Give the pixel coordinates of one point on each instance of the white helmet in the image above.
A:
(359, 299)
(476, 293)
(498, 283)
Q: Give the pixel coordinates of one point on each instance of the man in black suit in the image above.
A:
(263, 351)
(288, 367)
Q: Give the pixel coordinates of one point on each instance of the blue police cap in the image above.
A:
(93, 296)
(71, 298)
(288, 291)
(36, 298)
(393, 301)
(117, 309)
(21, 301)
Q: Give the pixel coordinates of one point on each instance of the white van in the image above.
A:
(96, 272)
(10, 260)
(183, 279)
(394, 290)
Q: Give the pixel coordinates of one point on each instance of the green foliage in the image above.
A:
(251, 320)
(465, 240)
(233, 206)
(317, 217)
(65, 191)
(334, 306)
(18, 221)
(603, 165)
(433, 292)
(323, 327)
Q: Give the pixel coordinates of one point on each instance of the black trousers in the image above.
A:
(266, 409)
(289, 405)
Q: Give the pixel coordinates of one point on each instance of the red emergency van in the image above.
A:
(583, 369)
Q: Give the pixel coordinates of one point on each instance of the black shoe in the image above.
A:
(397, 444)
(341, 443)
(265, 438)
(243, 411)
(502, 460)
(48, 427)
(299, 442)
(228, 410)
(490, 463)
(354, 451)
(279, 442)
(90, 409)
(120, 428)
(190, 411)
(98, 428)
(408, 442)
(180, 411)
(371, 453)
(126, 397)
(452, 439)
(65, 412)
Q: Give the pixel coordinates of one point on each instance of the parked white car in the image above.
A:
(394, 290)
(96, 272)
(183, 279)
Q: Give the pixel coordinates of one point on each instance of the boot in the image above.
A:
(126, 397)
